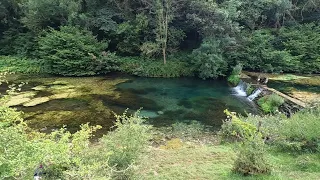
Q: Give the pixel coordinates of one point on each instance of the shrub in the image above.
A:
(126, 143)
(234, 79)
(234, 129)
(267, 125)
(21, 65)
(71, 52)
(296, 134)
(301, 130)
(270, 103)
(251, 159)
(249, 89)
(152, 68)
(208, 59)
(22, 152)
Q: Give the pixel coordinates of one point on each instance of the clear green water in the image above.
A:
(164, 101)
(187, 99)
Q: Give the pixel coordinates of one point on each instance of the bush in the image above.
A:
(208, 59)
(267, 125)
(249, 89)
(72, 52)
(234, 129)
(25, 152)
(270, 103)
(234, 79)
(22, 65)
(251, 159)
(152, 68)
(301, 130)
(126, 143)
(295, 134)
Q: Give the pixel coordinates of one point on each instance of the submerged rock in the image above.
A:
(21, 98)
(65, 95)
(36, 101)
(16, 102)
(61, 87)
(39, 88)
(149, 114)
(59, 83)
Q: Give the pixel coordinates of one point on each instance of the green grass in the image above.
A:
(188, 162)
(196, 161)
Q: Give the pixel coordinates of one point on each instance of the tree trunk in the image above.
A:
(164, 55)
(166, 24)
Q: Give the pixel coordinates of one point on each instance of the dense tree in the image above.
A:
(263, 35)
(209, 59)
(71, 51)
(40, 14)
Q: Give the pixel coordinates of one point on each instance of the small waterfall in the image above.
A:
(255, 94)
(240, 90)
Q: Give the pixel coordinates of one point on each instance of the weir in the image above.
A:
(255, 94)
(240, 90)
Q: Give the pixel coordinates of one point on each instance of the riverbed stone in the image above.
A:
(39, 88)
(36, 101)
(17, 102)
(64, 95)
(21, 98)
(61, 87)
(58, 82)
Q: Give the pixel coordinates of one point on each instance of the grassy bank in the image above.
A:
(196, 161)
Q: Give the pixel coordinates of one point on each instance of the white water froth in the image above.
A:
(240, 90)
(255, 94)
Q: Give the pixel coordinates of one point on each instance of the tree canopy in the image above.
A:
(263, 35)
